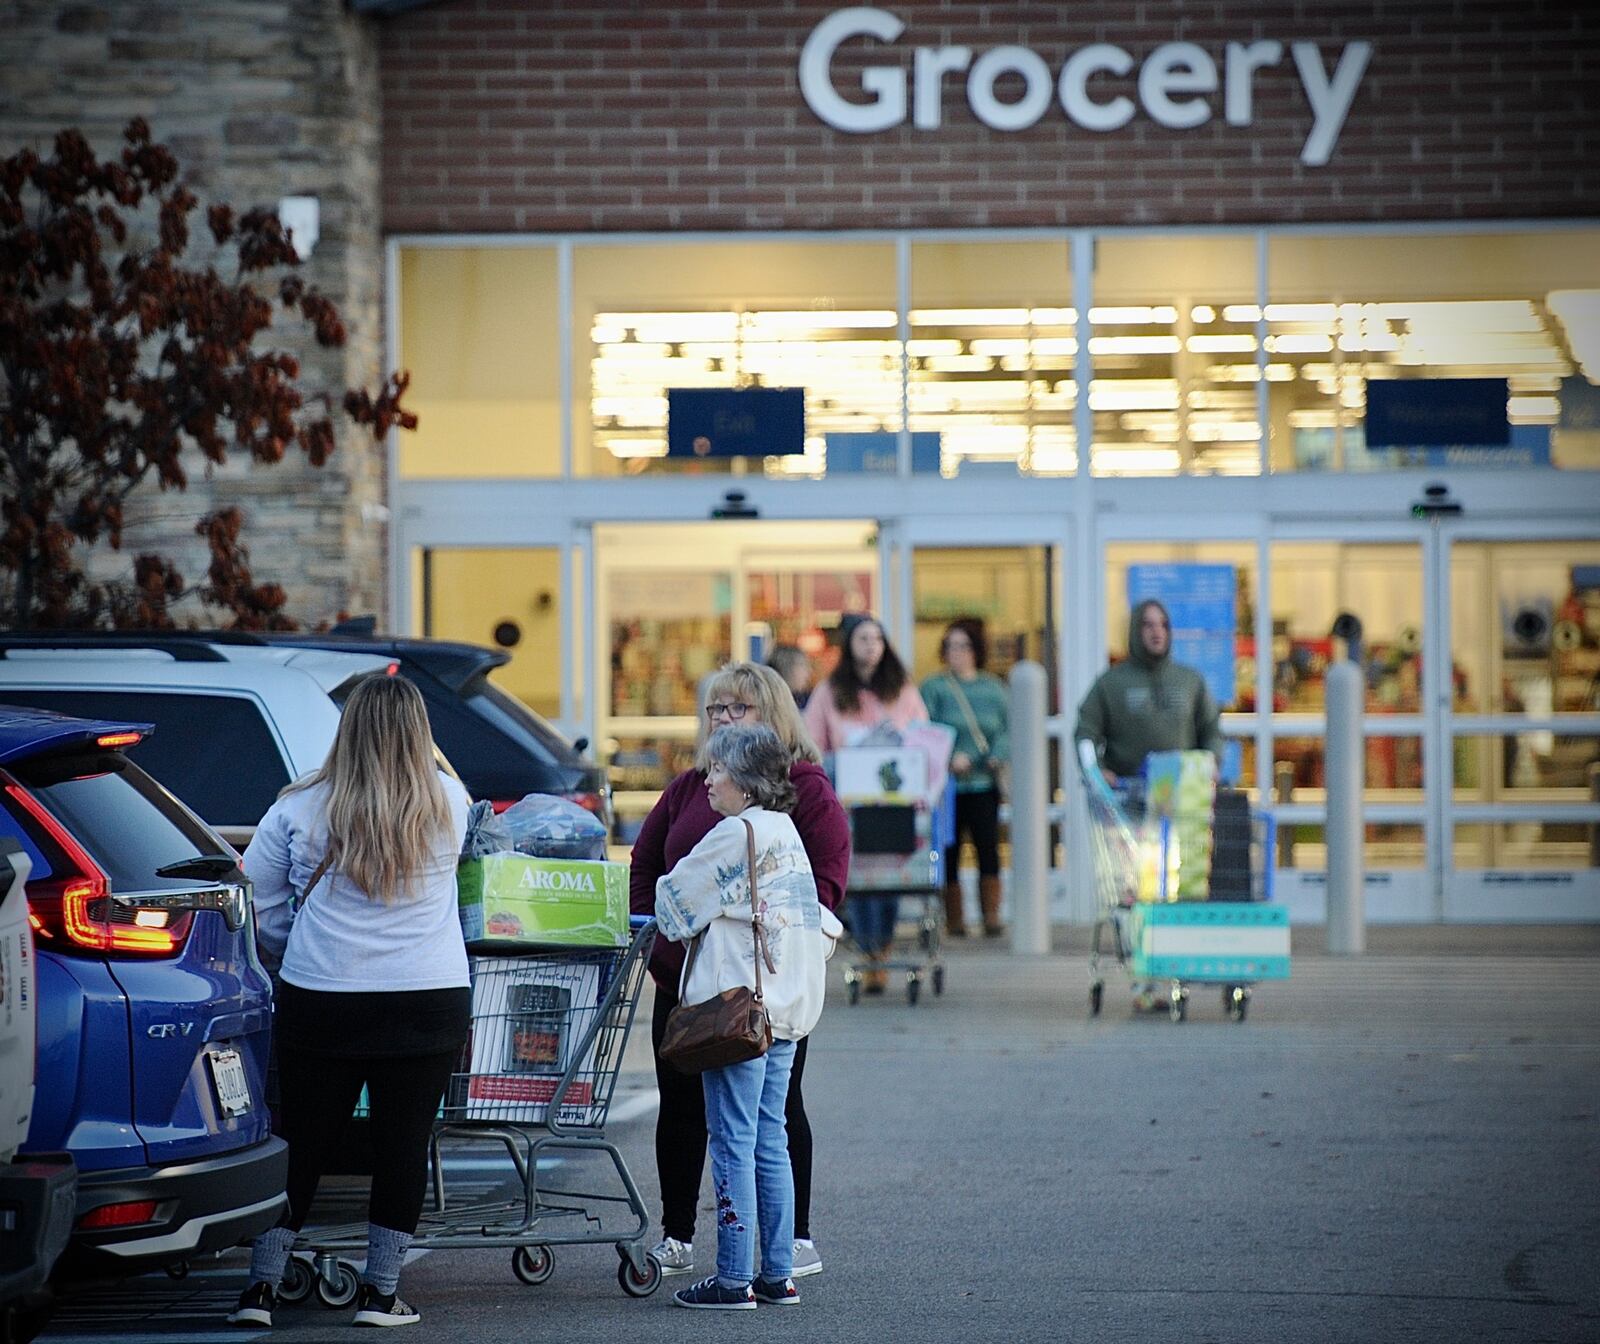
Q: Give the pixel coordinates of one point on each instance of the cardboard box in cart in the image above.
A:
(529, 1017)
(508, 901)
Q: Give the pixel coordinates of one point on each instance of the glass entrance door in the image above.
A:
(675, 601)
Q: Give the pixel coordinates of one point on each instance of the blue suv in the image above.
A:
(154, 1011)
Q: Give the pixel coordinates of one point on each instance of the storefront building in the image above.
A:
(1070, 293)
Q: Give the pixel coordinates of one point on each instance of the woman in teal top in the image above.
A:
(974, 703)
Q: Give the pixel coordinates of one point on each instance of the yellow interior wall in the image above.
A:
(991, 275)
(1167, 268)
(475, 590)
(479, 333)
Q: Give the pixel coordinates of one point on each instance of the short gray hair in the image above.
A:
(756, 761)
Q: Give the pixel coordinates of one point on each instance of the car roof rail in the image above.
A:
(174, 644)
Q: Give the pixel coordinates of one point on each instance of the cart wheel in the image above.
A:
(938, 979)
(1236, 999)
(913, 988)
(178, 1269)
(533, 1264)
(853, 991)
(635, 1284)
(297, 1282)
(343, 1292)
(1097, 994)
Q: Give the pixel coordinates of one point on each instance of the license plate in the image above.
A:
(233, 1088)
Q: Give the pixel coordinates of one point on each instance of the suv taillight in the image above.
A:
(74, 911)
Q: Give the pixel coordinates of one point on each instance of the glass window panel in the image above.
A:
(492, 596)
(1241, 555)
(1347, 309)
(1174, 364)
(1528, 844)
(1393, 769)
(478, 333)
(1527, 767)
(1387, 846)
(819, 316)
(992, 351)
(1312, 582)
(1525, 617)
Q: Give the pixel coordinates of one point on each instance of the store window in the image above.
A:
(1525, 625)
(992, 349)
(1347, 311)
(478, 334)
(1174, 342)
(818, 316)
(500, 598)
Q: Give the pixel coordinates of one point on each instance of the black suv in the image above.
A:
(501, 748)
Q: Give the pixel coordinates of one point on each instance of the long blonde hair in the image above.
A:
(755, 684)
(386, 808)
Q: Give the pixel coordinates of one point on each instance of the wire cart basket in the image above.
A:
(537, 1077)
(897, 849)
(1159, 929)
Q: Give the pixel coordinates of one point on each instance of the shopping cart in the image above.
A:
(537, 1076)
(897, 849)
(1160, 928)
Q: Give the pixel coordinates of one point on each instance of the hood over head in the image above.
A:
(1137, 653)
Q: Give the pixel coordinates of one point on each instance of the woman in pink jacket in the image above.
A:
(869, 686)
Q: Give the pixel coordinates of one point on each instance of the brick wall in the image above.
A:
(626, 114)
(259, 99)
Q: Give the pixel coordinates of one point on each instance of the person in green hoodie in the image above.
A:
(1147, 703)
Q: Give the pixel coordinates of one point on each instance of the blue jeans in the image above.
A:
(872, 921)
(750, 1165)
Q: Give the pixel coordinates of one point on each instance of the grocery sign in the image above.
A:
(1175, 84)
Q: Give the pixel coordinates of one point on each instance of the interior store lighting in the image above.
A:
(1134, 315)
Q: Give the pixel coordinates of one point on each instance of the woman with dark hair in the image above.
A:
(966, 698)
(712, 894)
(868, 686)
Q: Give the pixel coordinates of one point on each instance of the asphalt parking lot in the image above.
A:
(1404, 1146)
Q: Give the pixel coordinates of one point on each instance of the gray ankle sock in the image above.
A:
(386, 1252)
(269, 1253)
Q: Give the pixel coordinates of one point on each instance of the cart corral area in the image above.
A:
(1404, 1145)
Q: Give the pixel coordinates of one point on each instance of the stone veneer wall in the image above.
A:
(259, 99)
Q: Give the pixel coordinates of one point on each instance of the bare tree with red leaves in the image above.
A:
(118, 363)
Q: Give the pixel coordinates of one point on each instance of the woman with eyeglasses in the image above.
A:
(741, 693)
(868, 686)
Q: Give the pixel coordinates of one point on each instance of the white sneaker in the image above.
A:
(674, 1256)
(806, 1260)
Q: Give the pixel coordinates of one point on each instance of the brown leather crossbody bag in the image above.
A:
(732, 1027)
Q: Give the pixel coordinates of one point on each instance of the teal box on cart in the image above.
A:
(1212, 940)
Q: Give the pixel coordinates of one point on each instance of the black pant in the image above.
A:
(320, 1092)
(978, 816)
(681, 1136)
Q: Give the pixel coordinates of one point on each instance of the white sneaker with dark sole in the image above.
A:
(383, 1309)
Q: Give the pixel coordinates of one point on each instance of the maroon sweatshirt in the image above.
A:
(683, 817)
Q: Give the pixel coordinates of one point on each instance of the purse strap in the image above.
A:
(966, 713)
(316, 876)
(759, 934)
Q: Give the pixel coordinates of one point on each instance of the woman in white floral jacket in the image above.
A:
(708, 894)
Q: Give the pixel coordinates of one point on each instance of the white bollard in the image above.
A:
(1030, 831)
(1344, 761)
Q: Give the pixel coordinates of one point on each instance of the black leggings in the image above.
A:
(681, 1136)
(320, 1092)
(977, 815)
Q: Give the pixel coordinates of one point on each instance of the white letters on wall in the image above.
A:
(1177, 83)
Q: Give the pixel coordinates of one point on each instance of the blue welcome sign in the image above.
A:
(736, 421)
(1202, 601)
(1438, 413)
